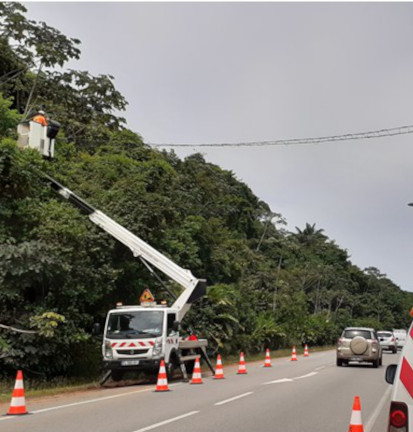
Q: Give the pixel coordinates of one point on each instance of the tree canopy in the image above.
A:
(59, 273)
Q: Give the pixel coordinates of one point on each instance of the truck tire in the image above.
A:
(376, 363)
(170, 370)
(117, 375)
(339, 362)
(172, 366)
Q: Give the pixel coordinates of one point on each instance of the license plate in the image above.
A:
(356, 359)
(129, 362)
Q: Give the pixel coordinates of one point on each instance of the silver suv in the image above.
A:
(359, 344)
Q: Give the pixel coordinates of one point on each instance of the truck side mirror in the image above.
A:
(175, 326)
(391, 373)
(96, 329)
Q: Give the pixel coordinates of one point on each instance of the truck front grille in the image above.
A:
(132, 351)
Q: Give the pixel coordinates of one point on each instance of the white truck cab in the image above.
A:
(138, 337)
(400, 335)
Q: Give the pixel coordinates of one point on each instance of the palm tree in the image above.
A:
(310, 234)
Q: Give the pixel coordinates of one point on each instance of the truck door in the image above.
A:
(172, 336)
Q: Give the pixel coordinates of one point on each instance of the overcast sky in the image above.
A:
(236, 72)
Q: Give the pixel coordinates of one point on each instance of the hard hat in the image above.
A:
(41, 112)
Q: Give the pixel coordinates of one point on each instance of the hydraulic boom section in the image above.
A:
(193, 288)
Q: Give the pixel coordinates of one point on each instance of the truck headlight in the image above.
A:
(157, 348)
(108, 350)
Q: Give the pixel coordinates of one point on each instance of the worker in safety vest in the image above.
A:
(40, 117)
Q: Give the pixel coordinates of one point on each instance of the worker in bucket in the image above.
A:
(40, 117)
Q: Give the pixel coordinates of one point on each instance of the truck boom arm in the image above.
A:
(193, 288)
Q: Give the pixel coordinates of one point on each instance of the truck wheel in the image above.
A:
(170, 370)
(394, 350)
(172, 366)
(339, 362)
(376, 363)
(117, 375)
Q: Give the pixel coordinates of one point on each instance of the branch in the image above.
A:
(18, 330)
(26, 111)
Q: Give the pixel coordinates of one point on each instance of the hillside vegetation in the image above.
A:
(59, 273)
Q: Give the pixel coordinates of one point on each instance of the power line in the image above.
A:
(401, 130)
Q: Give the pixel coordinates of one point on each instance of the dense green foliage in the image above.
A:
(59, 273)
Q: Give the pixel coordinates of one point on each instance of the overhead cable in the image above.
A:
(402, 130)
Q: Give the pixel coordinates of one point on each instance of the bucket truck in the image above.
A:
(137, 337)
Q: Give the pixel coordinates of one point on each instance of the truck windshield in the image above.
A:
(135, 325)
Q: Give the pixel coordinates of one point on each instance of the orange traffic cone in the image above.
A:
(219, 371)
(18, 401)
(306, 350)
(241, 368)
(267, 362)
(294, 354)
(196, 376)
(356, 425)
(162, 383)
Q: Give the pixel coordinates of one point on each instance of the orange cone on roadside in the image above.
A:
(219, 370)
(356, 424)
(306, 350)
(241, 368)
(18, 400)
(196, 376)
(267, 362)
(162, 383)
(294, 354)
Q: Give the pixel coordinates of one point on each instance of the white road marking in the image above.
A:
(154, 426)
(378, 410)
(231, 399)
(86, 402)
(282, 380)
(319, 368)
(306, 376)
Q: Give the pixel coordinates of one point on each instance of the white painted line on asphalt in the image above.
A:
(319, 368)
(154, 426)
(232, 399)
(306, 376)
(87, 402)
(282, 380)
(378, 410)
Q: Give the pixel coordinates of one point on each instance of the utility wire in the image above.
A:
(401, 130)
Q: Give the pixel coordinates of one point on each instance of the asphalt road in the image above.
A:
(311, 394)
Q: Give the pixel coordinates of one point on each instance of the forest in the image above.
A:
(59, 273)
